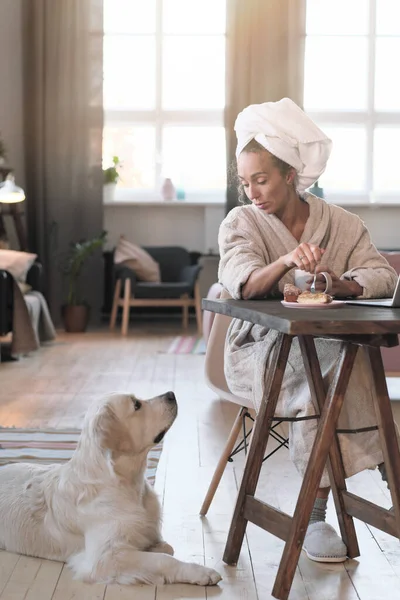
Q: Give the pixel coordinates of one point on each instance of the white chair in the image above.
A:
(215, 379)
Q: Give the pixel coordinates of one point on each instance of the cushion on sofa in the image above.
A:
(17, 263)
(137, 259)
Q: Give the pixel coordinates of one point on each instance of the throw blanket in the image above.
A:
(42, 323)
(249, 239)
(32, 322)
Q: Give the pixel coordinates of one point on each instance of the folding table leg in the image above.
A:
(312, 477)
(257, 447)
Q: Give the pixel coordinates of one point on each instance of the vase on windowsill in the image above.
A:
(168, 191)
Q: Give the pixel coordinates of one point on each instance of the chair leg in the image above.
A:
(114, 309)
(197, 303)
(221, 466)
(125, 308)
(387, 430)
(185, 311)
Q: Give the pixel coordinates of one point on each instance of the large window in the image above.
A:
(164, 93)
(352, 90)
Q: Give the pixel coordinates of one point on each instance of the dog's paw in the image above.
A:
(163, 548)
(199, 575)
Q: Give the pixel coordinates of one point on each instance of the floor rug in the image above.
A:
(46, 446)
(187, 344)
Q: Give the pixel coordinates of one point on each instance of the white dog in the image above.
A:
(97, 512)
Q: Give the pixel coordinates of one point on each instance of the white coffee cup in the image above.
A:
(302, 277)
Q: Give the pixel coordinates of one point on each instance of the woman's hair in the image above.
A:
(254, 146)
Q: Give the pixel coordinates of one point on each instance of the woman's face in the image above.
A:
(263, 182)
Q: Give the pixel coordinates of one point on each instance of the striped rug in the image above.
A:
(46, 446)
(187, 344)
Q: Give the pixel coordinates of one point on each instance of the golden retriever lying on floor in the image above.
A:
(97, 512)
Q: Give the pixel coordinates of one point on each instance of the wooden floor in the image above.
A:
(54, 387)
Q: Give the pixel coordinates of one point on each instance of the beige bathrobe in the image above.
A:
(249, 239)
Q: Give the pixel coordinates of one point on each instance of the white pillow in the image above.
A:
(140, 261)
(17, 263)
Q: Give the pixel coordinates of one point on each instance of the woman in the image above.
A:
(280, 153)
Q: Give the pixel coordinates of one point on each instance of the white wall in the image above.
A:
(191, 225)
(196, 227)
(383, 223)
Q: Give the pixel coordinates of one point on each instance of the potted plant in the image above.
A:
(76, 311)
(111, 177)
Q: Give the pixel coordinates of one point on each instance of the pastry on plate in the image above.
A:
(317, 298)
(291, 292)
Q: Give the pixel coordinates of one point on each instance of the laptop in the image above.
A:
(391, 302)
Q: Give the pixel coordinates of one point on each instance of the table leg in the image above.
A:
(334, 465)
(257, 447)
(387, 430)
(312, 477)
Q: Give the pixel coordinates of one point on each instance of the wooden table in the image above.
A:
(355, 326)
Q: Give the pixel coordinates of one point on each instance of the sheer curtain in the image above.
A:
(63, 125)
(265, 61)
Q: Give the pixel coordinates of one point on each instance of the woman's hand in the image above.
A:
(341, 288)
(305, 257)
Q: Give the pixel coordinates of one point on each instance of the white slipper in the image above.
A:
(323, 544)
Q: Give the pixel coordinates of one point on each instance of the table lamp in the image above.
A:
(9, 192)
(12, 195)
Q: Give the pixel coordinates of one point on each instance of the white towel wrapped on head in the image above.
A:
(287, 132)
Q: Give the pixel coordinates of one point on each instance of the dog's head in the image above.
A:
(125, 424)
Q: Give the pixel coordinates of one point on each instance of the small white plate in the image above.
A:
(333, 304)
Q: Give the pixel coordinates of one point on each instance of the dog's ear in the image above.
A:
(111, 433)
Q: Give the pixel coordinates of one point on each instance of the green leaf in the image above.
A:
(111, 174)
(75, 261)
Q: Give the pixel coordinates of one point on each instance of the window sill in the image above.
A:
(134, 198)
(166, 203)
(363, 200)
(361, 204)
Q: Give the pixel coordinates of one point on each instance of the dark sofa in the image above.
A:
(178, 287)
(111, 272)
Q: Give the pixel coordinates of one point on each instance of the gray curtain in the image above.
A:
(63, 126)
(265, 61)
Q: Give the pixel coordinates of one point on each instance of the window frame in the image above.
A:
(369, 119)
(160, 118)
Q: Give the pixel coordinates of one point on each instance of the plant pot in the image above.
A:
(109, 192)
(75, 317)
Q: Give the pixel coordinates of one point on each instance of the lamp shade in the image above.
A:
(9, 192)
